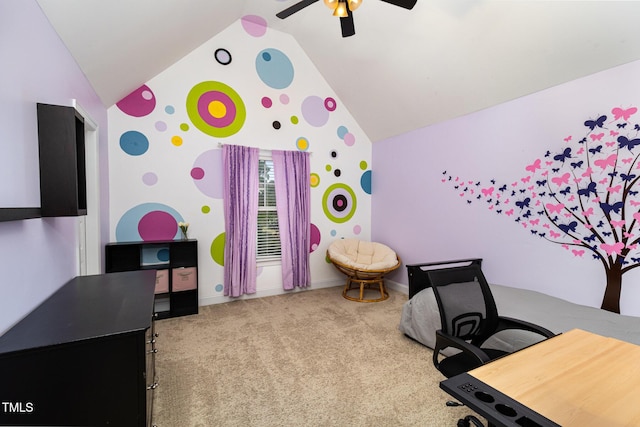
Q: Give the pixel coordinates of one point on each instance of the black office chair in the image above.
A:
(469, 318)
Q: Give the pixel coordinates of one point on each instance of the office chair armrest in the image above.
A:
(511, 323)
(444, 340)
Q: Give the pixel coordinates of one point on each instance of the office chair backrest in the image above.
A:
(467, 308)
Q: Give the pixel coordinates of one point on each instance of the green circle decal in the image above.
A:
(217, 249)
(339, 203)
(216, 109)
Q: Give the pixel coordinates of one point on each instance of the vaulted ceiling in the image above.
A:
(402, 70)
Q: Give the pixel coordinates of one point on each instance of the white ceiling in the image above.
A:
(404, 69)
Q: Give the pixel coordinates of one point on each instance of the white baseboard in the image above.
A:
(269, 293)
(397, 286)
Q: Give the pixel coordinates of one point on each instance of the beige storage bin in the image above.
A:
(162, 281)
(184, 279)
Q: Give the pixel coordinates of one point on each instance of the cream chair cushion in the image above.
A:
(362, 255)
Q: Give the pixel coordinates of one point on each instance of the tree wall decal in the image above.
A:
(583, 197)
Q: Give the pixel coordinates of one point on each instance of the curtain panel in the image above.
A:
(240, 193)
(292, 176)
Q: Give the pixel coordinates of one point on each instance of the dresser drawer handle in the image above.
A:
(155, 350)
(152, 386)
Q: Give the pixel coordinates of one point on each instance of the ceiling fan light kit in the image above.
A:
(341, 9)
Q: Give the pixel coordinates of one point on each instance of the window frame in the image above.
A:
(267, 203)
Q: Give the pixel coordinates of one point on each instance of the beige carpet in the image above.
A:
(301, 359)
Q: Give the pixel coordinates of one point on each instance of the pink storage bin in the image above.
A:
(184, 279)
(162, 281)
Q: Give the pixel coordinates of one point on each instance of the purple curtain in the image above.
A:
(240, 166)
(292, 171)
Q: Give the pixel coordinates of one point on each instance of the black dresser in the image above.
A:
(84, 357)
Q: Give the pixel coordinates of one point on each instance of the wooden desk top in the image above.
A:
(575, 379)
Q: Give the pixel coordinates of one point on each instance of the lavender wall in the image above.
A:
(37, 256)
(435, 190)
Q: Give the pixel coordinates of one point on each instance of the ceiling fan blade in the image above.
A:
(295, 8)
(346, 23)
(407, 4)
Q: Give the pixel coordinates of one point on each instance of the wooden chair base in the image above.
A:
(361, 285)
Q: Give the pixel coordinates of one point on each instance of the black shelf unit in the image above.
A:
(15, 214)
(63, 183)
(176, 265)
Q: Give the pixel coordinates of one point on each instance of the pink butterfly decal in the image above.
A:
(613, 133)
(580, 151)
(610, 143)
(629, 160)
(628, 235)
(509, 212)
(615, 189)
(636, 216)
(577, 252)
(534, 166)
(534, 222)
(609, 161)
(588, 212)
(567, 139)
(487, 191)
(634, 203)
(615, 248)
(596, 137)
(554, 208)
(525, 179)
(559, 180)
(588, 172)
(632, 246)
(625, 114)
(618, 223)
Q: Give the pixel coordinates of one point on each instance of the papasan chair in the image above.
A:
(365, 264)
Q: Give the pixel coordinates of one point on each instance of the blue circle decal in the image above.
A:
(134, 143)
(274, 68)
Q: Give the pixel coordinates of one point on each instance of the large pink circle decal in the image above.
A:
(139, 103)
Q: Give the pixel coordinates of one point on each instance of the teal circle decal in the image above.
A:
(274, 68)
(134, 143)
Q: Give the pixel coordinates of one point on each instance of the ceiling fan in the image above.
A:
(342, 9)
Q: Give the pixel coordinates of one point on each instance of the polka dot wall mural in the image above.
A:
(274, 68)
(134, 143)
(314, 180)
(217, 249)
(339, 203)
(314, 111)
(344, 134)
(253, 25)
(216, 109)
(139, 103)
(302, 144)
(150, 178)
(148, 222)
(207, 175)
(315, 238)
(223, 56)
(365, 179)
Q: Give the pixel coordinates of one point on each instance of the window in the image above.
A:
(268, 233)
